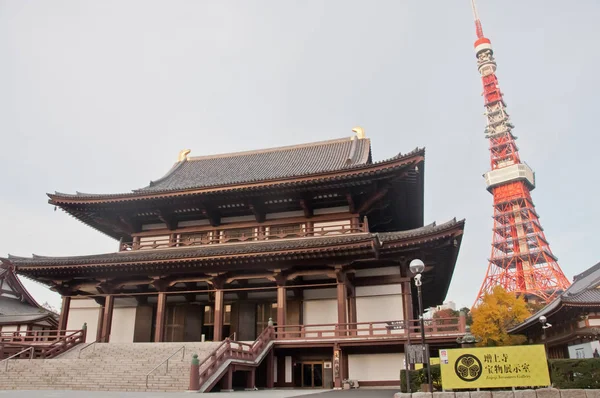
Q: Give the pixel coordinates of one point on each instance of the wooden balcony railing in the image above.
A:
(438, 327)
(232, 235)
(45, 343)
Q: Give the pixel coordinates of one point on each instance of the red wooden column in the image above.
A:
(218, 323)
(352, 317)
(342, 296)
(271, 369)
(227, 380)
(101, 302)
(161, 309)
(107, 318)
(64, 313)
(281, 306)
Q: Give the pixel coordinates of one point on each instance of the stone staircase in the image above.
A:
(107, 367)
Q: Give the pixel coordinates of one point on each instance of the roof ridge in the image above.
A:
(586, 272)
(268, 150)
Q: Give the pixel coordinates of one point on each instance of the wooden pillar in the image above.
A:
(271, 369)
(281, 306)
(251, 379)
(337, 367)
(64, 313)
(102, 303)
(107, 318)
(161, 310)
(352, 317)
(218, 323)
(227, 380)
(342, 296)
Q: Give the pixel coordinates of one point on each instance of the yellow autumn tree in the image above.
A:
(495, 315)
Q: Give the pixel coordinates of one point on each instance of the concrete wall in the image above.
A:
(375, 367)
(84, 311)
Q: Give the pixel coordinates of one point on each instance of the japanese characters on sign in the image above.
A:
(514, 366)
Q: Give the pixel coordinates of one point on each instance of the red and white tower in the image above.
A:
(521, 260)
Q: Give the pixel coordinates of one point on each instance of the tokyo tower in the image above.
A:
(521, 259)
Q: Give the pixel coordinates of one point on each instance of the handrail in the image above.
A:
(167, 361)
(87, 346)
(219, 355)
(17, 354)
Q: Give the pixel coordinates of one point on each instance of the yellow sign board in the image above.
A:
(513, 366)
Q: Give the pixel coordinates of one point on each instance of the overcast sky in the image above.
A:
(100, 96)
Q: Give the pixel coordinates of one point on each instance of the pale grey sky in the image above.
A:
(99, 96)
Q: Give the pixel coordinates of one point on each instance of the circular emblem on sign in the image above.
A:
(468, 367)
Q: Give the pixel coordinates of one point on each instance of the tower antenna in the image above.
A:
(478, 28)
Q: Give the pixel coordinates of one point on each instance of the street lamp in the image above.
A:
(417, 267)
(545, 325)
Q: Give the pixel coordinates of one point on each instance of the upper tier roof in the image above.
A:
(266, 164)
(254, 166)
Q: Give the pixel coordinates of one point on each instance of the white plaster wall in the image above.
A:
(319, 312)
(375, 367)
(379, 290)
(379, 304)
(84, 311)
(9, 328)
(123, 325)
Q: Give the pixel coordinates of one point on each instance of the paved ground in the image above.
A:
(361, 393)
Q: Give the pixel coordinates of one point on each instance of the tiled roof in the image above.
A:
(10, 306)
(584, 290)
(261, 165)
(16, 319)
(326, 243)
(254, 166)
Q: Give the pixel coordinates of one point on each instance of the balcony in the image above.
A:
(435, 329)
(237, 235)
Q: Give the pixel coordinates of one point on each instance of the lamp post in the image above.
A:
(545, 325)
(417, 267)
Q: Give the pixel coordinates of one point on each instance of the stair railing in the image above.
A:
(16, 355)
(182, 348)
(226, 350)
(87, 346)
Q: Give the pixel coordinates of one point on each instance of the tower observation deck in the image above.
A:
(521, 260)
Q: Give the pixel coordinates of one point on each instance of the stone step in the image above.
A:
(108, 367)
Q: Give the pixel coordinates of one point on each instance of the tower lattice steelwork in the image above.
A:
(521, 259)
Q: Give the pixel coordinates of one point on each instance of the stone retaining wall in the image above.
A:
(541, 393)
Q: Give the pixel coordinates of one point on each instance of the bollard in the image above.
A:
(195, 374)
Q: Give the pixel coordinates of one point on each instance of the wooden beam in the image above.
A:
(351, 204)
(213, 216)
(168, 218)
(374, 198)
(306, 207)
(258, 211)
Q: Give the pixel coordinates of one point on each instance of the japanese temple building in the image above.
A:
(316, 237)
(18, 309)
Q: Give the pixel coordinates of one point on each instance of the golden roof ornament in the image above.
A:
(360, 132)
(183, 154)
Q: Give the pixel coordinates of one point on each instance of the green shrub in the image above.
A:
(575, 373)
(418, 377)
